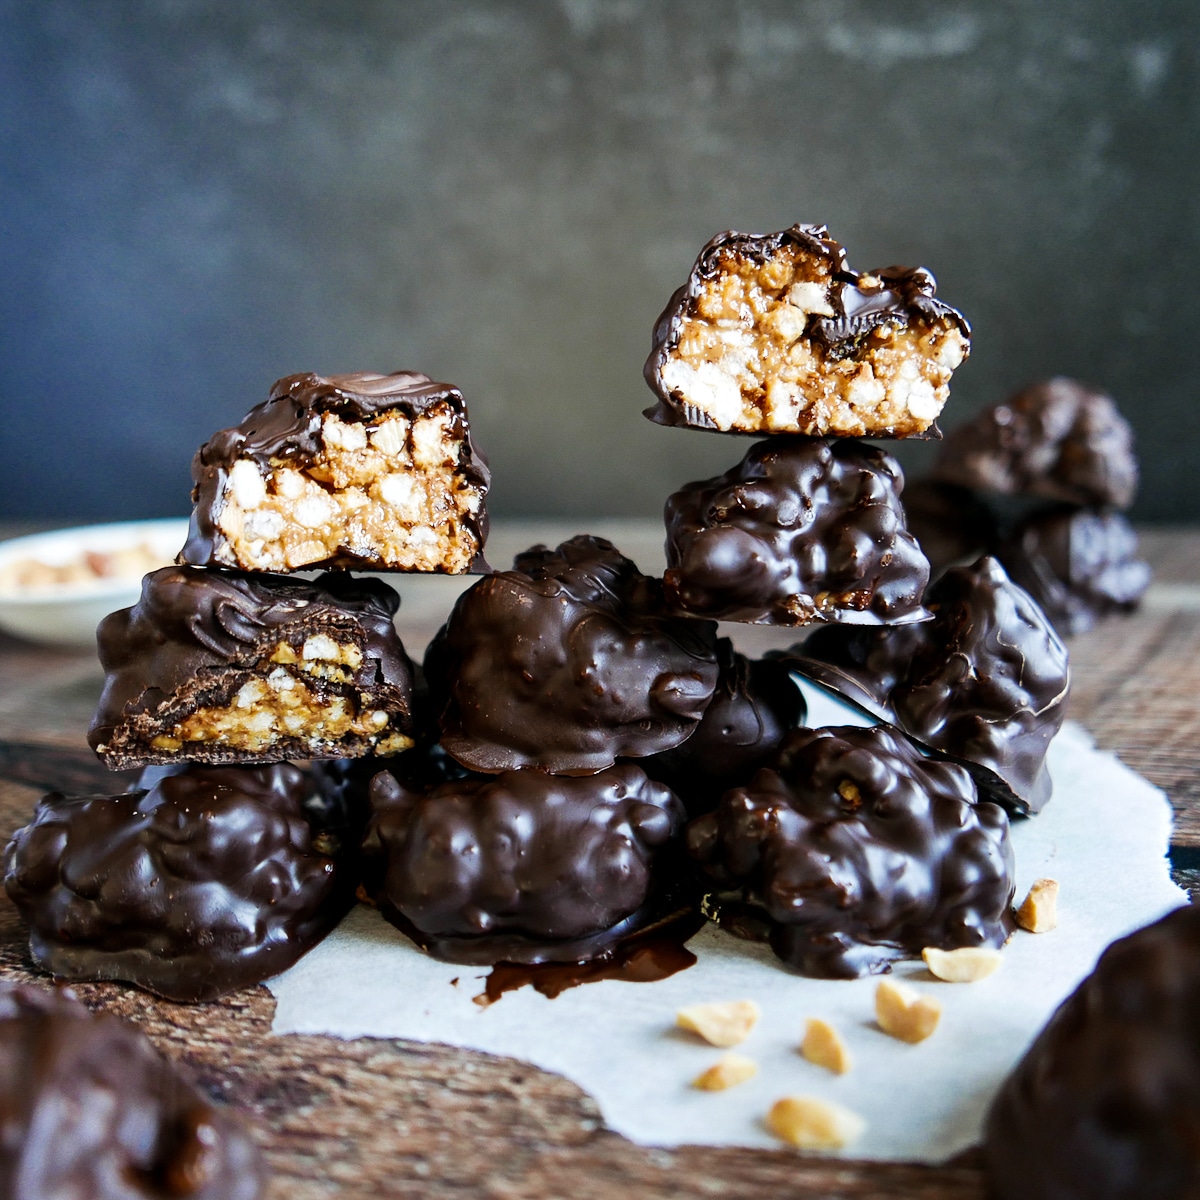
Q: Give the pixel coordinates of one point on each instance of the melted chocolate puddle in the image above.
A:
(647, 956)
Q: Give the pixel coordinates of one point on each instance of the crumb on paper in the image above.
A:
(1039, 910)
(728, 1071)
(823, 1046)
(904, 1013)
(723, 1023)
(965, 965)
(813, 1124)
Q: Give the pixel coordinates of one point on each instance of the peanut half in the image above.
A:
(728, 1071)
(813, 1124)
(964, 965)
(720, 1023)
(1039, 910)
(904, 1013)
(823, 1045)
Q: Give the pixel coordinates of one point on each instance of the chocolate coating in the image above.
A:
(755, 705)
(856, 850)
(197, 635)
(1059, 439)
(213, 879)
(566, 663)
(525, 866)
(801, 530)
(90, 1110)
(1105, 1105)
(985, 682)
(951, 525)
(891, 297)
(286, 428)
(1079, 564)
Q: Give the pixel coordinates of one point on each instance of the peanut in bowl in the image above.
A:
(55, 587)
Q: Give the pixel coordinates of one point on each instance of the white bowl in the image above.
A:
(68, 614)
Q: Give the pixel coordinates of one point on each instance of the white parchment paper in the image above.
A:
(1103, 836)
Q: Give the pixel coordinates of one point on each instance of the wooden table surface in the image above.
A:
(375, 1118)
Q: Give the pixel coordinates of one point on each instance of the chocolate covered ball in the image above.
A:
(1105, 1105)
(525, 866)
(801, 530)
(855, 850)
(213, 879)
(89, 1109)
(568, 662)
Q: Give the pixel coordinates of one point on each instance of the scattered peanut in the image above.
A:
(823, 1045)
(1039, 910)
(904, 1013)
(964, 965)
(720, 1024)
(812, 1124)
(728, 1071)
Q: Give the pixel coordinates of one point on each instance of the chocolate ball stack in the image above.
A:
(841, 847)
(1043, 480)
(227, 862)
(541, 846)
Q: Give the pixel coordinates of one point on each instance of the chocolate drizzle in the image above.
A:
(656, 952)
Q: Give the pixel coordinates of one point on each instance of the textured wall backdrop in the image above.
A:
(200, 196)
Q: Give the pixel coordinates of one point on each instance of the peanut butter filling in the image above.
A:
(743, 359)
(389, 490)
(280, 705)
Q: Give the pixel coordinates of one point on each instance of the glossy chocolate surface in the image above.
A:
(862, 303)
(568, 662)
(855, 850)
(197, 635)
(801, 530)
(91, 1111)
(1079, 564)
(286, 428)
(755, 705)
(1059, 439)
(985, 682)
(1105, 1105)
(214, 879)
(524, 866)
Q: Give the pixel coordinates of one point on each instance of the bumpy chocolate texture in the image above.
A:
(214, 879)
(856, 850)
(525, 866)
(568, 662)
(90, 1110)
(1078, 564)
(1105, 1105)
(985, 682)
(224, 667)
(755, 705)
(801, 530)
(371, 471)
(1059, 439)
(773, 333)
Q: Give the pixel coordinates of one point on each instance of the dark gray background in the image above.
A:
(200, 196)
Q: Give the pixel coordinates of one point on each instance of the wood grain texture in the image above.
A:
(376, 1118)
